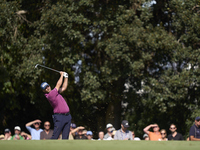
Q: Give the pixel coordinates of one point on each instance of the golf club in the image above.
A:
(46, 68)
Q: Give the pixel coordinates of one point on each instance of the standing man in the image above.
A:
(195, 130)
(174, 134)
(35, 133)
(155, 135)
(61, 117)
(47, 132)
(123, 133)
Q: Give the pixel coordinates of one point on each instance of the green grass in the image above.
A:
(98, 145)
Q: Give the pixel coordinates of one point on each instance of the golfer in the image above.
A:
(61, 117)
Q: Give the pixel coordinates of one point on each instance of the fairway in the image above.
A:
(97, 145)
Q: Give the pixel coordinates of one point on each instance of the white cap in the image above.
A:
(17, 128)
(109, 126)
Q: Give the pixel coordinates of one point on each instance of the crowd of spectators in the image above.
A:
(80, 133)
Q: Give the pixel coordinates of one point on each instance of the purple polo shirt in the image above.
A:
(57, 101)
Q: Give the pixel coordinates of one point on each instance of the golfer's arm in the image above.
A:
(64, 86)
(192, 138)
(59, 83)
(146, 129)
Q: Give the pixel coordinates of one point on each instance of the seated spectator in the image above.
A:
(146, 137)
(163, 133)
(155, 135)
(80, 135)
(2, 137)
(7, 134)
(195, 130)
(26, 136)
(17, 136)
(174, 135)
(135, 138)
(47, 132)
(101, 135)
(35, 133)
(90, 135)
(123, 133)
(109, 131)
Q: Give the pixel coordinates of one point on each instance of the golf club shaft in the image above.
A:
(48, 68)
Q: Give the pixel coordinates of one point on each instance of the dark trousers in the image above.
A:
(61, 124)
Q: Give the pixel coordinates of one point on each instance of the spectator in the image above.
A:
(17, 135)
(7, 134)
(80, 135)
(135, 138)
(35, 133)
(74, 130)
(109, 131)
(90, 135)
(85, 132)
(123, 133)
(26, 136)
(112, 135)
(163, 135)
(174, 135)
(47, 132)
(195, 130)
(2, 137)
(72, 133)
(155, 135)
(101, 135)
(146, 137)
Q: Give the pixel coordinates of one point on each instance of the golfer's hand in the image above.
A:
(65, 75)
(62, 73)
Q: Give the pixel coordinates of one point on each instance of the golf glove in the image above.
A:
(65, 74)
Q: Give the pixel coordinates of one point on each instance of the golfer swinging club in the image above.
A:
(61, 117)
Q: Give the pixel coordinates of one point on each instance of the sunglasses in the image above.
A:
(47, 125)
(37, 123)
(172, 128)
(198, 120)
(163, 133)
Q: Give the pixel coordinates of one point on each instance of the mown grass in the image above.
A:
(98, 145)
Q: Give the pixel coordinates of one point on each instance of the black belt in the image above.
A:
(65, 114)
